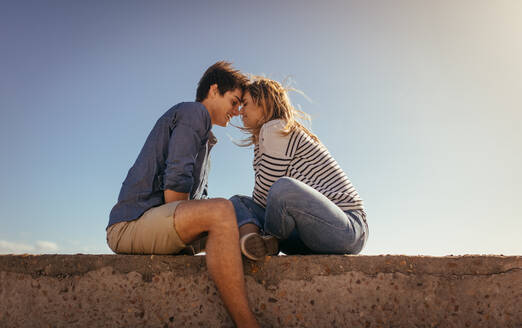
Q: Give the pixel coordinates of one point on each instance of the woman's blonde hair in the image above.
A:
(273, 98)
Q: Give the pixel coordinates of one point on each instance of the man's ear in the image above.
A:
(213, 90)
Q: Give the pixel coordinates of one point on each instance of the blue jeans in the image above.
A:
(304, 220)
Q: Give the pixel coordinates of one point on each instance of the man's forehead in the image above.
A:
(237, 94)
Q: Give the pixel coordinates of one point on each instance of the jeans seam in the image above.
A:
(319, 218)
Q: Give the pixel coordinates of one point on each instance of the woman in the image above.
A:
(302, 200)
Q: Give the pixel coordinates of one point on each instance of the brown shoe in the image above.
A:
(256, 247)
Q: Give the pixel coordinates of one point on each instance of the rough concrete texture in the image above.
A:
(285, 291)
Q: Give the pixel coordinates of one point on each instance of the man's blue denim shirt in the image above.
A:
(175, 156)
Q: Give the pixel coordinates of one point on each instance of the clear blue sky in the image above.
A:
(419, 101)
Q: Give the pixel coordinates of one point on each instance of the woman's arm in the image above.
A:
(271, 162)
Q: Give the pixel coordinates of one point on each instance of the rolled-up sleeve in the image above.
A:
(189, 133)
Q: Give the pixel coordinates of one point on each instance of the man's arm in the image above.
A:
(172, 196)
(188, 133)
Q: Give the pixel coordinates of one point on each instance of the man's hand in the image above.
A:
(172, 196)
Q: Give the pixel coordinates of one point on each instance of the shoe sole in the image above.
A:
(256, 247)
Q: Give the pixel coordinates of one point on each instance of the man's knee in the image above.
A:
(209, 207)
(222, 205)
(195, 217)
(224, 212)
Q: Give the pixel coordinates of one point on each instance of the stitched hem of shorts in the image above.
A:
(176, 230)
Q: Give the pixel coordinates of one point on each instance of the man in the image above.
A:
(161, 206)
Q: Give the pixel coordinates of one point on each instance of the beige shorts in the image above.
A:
(152, 233)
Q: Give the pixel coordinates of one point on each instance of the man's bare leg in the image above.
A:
(217, 217)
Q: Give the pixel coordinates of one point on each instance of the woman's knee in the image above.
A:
(283, 188)
(237, 200)
(285, 183)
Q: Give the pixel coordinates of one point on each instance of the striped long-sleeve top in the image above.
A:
(298, 156)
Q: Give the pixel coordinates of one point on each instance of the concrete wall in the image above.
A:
(286, 291)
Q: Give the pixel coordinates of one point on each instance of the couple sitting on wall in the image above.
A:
(302, 202)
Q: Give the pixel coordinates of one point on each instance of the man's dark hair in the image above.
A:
(224, 75)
